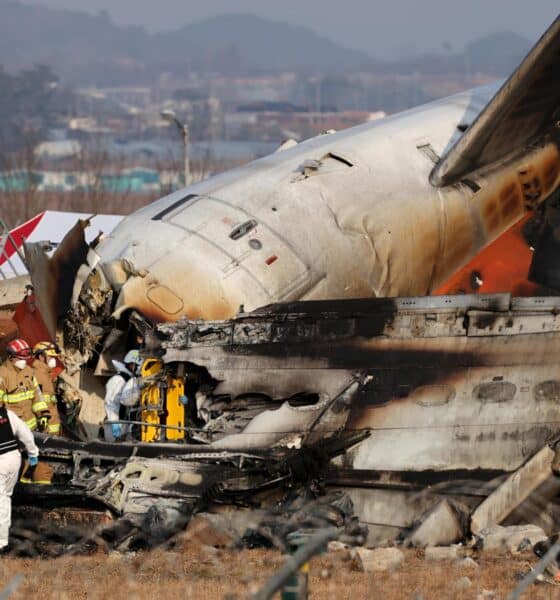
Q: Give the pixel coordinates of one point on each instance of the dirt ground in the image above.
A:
(207, 573)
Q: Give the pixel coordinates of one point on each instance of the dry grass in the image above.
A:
(205, 573)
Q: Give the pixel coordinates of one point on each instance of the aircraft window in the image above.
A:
(255, 244)
(494, 392)
(243, 229)
(433, 395)
(173, 206)
(547, 390)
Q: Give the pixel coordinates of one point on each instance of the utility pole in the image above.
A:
(183, 128)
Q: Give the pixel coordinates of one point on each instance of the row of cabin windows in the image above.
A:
(492, 392)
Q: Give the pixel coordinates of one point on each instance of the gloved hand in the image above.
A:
(183, 400)
(33, 461)
(116, 430)
(43, 422)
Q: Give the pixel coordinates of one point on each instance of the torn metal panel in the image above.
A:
(131, 480)
(440, 527)
(13, 290)
(508, 498)
(53, 278)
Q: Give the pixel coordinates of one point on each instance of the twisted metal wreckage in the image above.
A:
(419, 409)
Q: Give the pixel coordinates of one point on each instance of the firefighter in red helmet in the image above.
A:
(19, 389)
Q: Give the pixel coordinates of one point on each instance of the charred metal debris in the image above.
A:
(425, 413)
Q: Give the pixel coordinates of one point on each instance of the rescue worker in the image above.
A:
(20, 388)
(12, 429)
(122, 389)
(20, 391)
(46, 370)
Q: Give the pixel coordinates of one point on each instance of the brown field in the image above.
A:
(204, 573)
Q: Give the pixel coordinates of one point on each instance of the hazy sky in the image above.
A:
(380, 27)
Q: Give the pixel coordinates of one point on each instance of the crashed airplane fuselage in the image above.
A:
(389, 208)
(373, 393)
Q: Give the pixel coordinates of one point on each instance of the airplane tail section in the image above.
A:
(526, 109)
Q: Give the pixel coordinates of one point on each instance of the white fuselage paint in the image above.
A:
(375, 228)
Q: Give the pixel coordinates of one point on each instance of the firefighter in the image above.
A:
(20, 391)
(46, 370)
(12, 429)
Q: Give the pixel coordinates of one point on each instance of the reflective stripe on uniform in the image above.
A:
(50, 398)
(41, 481)
(54, 428)
(39, 406)
(20, 397)
(31, 423)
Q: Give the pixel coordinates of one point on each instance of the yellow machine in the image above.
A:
(160, 405)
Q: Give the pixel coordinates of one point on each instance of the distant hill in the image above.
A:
(246, 42)
(502, 51)
(86, 49)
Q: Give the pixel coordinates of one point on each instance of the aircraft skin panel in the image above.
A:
(368, 238)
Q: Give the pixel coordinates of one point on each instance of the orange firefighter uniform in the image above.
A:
(46, 371)
(20, 391)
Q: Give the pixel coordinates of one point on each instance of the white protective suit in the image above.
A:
(119, 391)
(10, 464)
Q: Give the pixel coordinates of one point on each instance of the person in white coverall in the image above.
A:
(121, 390)
(12, 430)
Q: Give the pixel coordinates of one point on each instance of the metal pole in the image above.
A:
(295, 562)
(537, 570)
(11, 587)
(187, 170)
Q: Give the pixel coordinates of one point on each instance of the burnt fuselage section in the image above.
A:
(379, 398)
(448, 383)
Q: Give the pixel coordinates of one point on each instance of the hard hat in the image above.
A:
(48, 348)
(132, 356)
(18, 348)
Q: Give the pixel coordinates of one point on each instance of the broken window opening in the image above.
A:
(547, 391)
(303, 399)
(243, 229)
